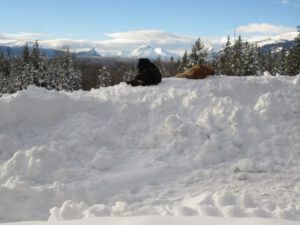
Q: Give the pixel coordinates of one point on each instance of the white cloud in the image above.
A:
(264, 28)
(21, 36)
(156, 36)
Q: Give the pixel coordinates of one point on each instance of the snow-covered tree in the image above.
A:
(3, 75)
(158, 62)
(184, 65)
(69, 78)
(104, 78)
(225, 59)
(129, 74)
(26, 54)
(280, 65)
(293, 58)
(251, 60)
(239, 59)
(172, 66)
(17, 73)
(199, 53)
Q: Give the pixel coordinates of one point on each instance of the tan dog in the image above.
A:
(197, 72)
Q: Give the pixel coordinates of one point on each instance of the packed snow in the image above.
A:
(213, 148)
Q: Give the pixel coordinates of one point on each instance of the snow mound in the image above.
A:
(223, 146)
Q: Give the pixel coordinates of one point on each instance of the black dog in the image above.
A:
(148, 74)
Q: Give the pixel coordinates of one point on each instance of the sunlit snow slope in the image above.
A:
(223, 146)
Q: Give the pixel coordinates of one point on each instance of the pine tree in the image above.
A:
(251, 63)
(184, 65)
(129, 74)
(26, 54)
(3, 77)
(225, 59)
(238, 59)
(215, 63)
(38, 67)
(69, 78)
(35, 56)
(280, 61)
(35, 68)
(158, 62)
(171, 66)
(15, 79)
(199, 53)
(293, 58)
(104, 78)
(2, 61)
(177, 65)
(8, 52)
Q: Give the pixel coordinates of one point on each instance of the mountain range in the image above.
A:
(144, 51)
(273, 44)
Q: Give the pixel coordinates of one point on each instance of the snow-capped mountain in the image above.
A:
(278, 42)
(270, 43)
(275, 39)
(90, 53)
(146, 51)
(18, 50)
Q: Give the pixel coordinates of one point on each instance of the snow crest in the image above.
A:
(223, 146)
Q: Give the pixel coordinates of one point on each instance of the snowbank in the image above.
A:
(223, 146)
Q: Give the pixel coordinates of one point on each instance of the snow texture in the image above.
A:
(222, 147)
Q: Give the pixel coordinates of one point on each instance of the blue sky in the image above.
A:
(96, 20)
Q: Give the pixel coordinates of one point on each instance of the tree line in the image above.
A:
(240, 58)
(35, 68)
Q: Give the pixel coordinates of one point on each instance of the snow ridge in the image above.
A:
(223, 146)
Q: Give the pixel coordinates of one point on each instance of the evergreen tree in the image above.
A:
(171, 67)
(199, 53)
(251, 60)
(69, 78)
(225, 59)
(158, 62)
(177, 65)
(129, 74)
(35, 56)
(239, 59)
(26, 54)
(38, 64)
(184, 65)
(261, 58)
(293, 58)
(8, 52)
(3, 77)
(280, 62)
(2, 62)
(215, 63)
(104, 78)
(35, 68)
(14, 79)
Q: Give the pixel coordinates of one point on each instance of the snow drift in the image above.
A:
(223, 146)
